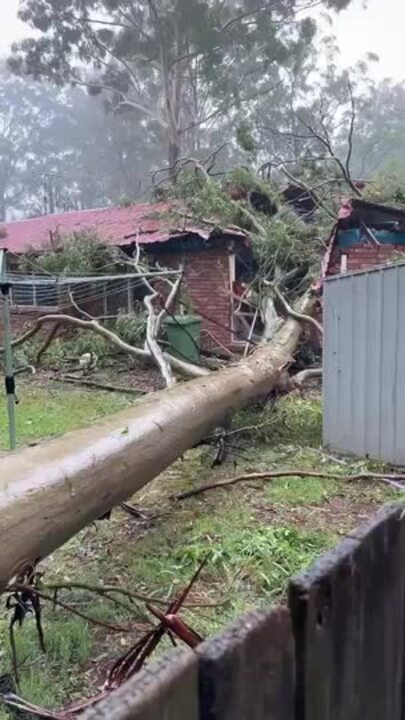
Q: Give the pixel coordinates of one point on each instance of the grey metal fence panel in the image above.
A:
(372, 399)
(400, 370)
(364, 364)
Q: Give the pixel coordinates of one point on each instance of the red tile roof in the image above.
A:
(115, 226)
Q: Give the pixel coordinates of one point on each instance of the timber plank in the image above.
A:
(165, 690)
(247, 672)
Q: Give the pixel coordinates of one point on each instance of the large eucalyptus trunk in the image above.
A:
(50, 492)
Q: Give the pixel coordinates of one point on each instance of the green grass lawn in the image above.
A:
(256, 536)
(47, 409)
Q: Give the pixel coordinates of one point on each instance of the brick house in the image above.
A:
(217, 261)
(366, 235)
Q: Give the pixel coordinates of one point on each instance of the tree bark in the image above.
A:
(50, 492)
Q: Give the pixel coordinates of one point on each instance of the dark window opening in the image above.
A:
(246, 321)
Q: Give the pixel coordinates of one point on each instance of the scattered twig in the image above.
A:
(310, 374)
(178, 627)
(26, 368)
(78, 309)
(249, 428)
(169, 623)
(14, 701)
(136, 657)
(108, 590)
(271, 475)
(134, 511)
(326, 456)
(99, 386)
(54, 600)
(24, 600)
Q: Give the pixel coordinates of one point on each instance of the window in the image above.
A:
(34, 294)
(245, 318)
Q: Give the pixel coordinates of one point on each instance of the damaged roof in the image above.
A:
(118, 226)
(363, 222)
(356, 211)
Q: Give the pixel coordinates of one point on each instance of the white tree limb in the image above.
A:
(294, 313)
(310, 374)
(183, 368)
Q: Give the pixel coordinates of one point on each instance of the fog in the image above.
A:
(130, 113)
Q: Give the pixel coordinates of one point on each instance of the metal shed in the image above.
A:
(364, 363)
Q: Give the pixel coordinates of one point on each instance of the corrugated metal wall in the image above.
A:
(364, 364)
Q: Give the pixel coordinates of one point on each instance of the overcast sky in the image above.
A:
(378, 29)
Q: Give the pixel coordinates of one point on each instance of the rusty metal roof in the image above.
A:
(117, 226)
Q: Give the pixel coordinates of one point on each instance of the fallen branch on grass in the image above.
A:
(99, 386)
(272, 475)
(132, 661)
(135, 512)
(170, 624)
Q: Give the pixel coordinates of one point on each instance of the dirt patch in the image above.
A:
(338, 514)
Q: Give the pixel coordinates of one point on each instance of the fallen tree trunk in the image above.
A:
(50, 492)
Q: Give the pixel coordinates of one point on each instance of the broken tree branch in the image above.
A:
(326, 142)
(69, 608)
(184, 368)
(152, 343)
(294, 313)
(272, 475)
(155, 320)
(300, 183)
(351, 132)
(48, 340)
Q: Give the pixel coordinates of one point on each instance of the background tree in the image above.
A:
(177, 64)
(62, 150)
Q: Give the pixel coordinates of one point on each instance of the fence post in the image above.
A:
(8, 353)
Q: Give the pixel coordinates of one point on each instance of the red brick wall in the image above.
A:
(362, 257)
(208, 285)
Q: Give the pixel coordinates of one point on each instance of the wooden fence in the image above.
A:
(336, 652)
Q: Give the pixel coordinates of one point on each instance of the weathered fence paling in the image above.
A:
(336, 653)
(247, 672)
(166, 690)
(348, 618)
